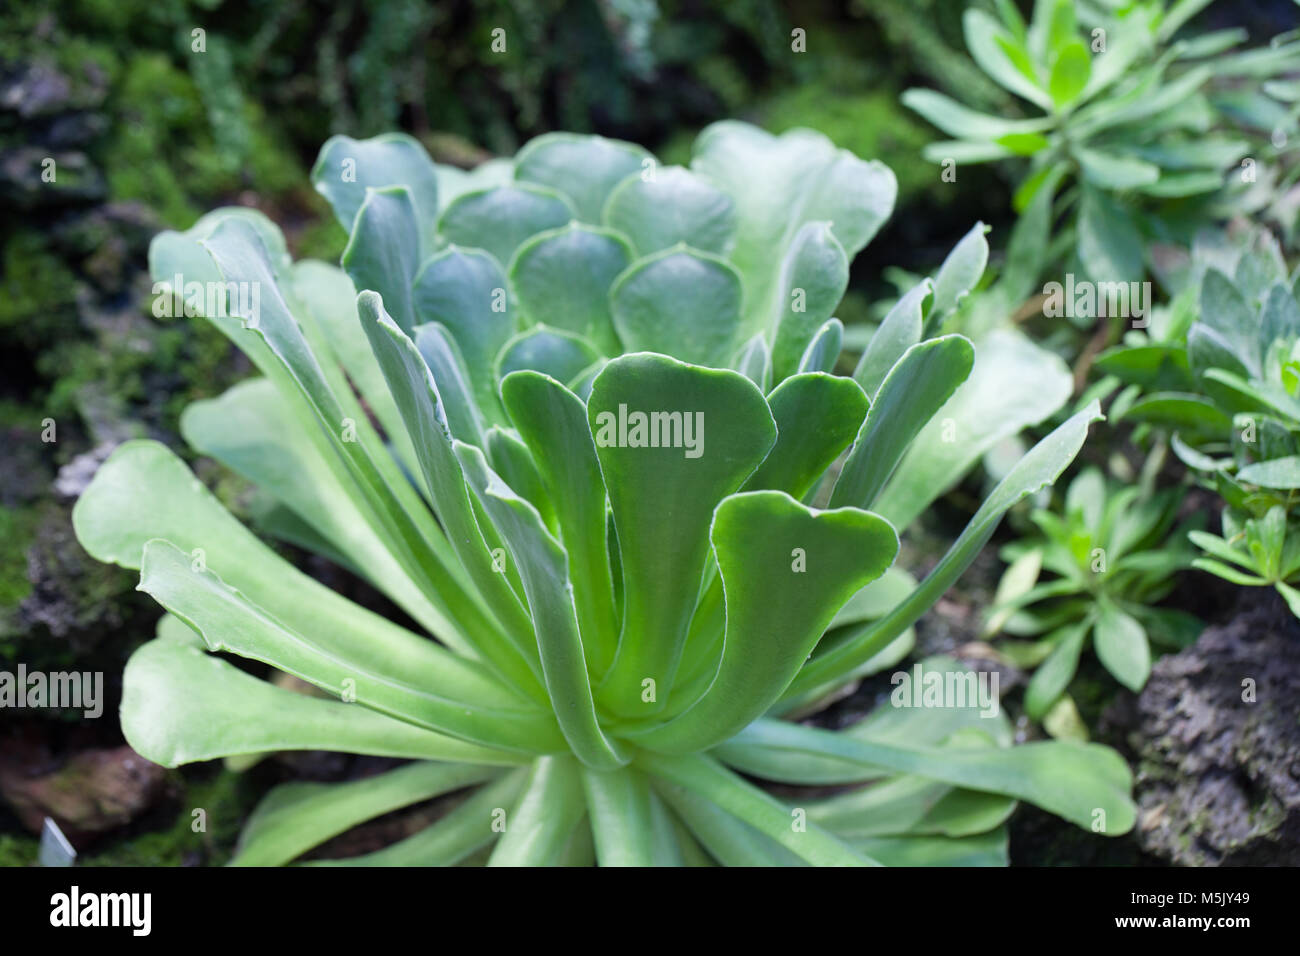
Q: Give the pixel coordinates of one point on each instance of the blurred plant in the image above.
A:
(1222, 377)
(1113, 558)
(1138, 130)
(623, 621)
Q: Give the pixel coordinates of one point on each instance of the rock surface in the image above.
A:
(96, 790)
(1216, 738)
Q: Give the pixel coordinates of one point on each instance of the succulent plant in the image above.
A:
(1222, 377)
(1136, 131)
(1113, 558)
(572, 426)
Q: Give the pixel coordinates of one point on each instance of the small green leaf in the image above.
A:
(917, 387)
(823, 351)
(982, 36)
(1282, 473)
(1055, 673)
(346, 168)
(501, 218)
(584, 168)
(681, 303)
(1113, 171)
(674, 206)
(786, 570)
(801, 455)
(960, 272)
(562, 278)
(673, 440)
(1121, 645)
(1109, 243)
(1070, 73)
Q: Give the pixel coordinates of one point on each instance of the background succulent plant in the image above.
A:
(1112, 558)
(621, 626)
(1137, 131)
(1219, 375)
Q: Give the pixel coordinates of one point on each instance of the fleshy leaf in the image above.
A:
(673, 440)
(786, 570)
(228, 621)
(549, 809)
(674, 206)
(917, 387)
(553, 423)
(181, 705)
(383, 251)
(562, 279)
(1013, 384)
(801, 454)
(681, 303)
(780, 183)
(465, 290)
(544, 568)
(510, 649)
(1041, 466)
(439, 350)
(294, 817)
(814, 275)
(584, 168)
(499, 219)
(898, 331)
(346, 168)
(561, 355)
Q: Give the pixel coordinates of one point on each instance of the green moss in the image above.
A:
(225, 800)
(18, 850)
(154, 144)
(16, 528)
(37, 291)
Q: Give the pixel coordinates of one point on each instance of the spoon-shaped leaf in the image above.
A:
(673, 440)
(294, 817)
(498, 220)
(584, 168)
(802, 453)
(814, 275)
(553, 423)
(346, 168)
(681, 303)
(674, 206)
(561, 278)
(544, 568)
(180, 704)
(228, 621)
(786, 570)
(917, 387)
(465, 290)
